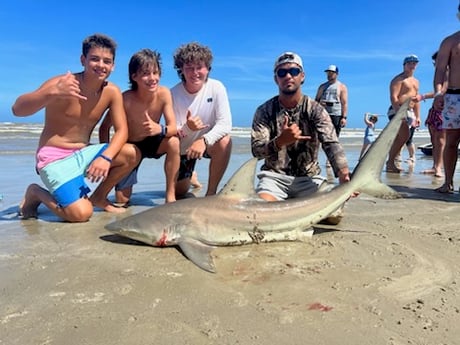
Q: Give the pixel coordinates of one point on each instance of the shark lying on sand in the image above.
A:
(236, 216)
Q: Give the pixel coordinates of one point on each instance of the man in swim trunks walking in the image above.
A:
(145, 103)
(448, 60)
(74, 103)
(402, 87)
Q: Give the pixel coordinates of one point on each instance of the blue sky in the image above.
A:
(366, 39)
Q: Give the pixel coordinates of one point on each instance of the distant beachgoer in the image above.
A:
(74, 103)
(402, 87)
(448, 62)
(410, 143)
(144, 104)
(434, 124)
(288, 131)
(333, 95)
(203, 116)
(369, 134)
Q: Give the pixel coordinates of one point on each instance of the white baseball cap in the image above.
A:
(332, 68)
(288, 57)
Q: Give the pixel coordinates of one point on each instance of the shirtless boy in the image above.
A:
(144, 105)
(402, 87)
(448, 60)
(74, 103)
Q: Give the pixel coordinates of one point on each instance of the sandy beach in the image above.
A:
(387, 274)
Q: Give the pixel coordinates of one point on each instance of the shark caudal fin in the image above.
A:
(241, 184)
(366, 175)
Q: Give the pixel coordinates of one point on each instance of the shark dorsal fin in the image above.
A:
(242, 181)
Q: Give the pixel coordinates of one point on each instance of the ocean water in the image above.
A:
(18, 142)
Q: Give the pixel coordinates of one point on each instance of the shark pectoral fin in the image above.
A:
(199, 253)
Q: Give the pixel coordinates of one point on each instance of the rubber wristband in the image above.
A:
(106, 158)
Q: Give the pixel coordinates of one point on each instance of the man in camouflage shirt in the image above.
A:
(287, 132)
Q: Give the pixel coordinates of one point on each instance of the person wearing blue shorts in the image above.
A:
(74, 103)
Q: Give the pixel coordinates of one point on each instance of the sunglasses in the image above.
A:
(293, 71)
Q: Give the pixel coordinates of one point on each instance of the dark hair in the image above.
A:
(144, 59)
(191, 53)
(101, 41)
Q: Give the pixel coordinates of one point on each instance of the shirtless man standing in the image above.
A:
(448, 60)
(144, 104)
(403, 87)
(74, 103)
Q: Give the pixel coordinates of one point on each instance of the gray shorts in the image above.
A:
(284, 187)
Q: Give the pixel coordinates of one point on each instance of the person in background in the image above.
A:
(448, 63)
(404, 86)
(333, 95)
(144, 104)
(410, 143)
(369, 136)
(434, 124)
(74, 103)
(203, 116)
(287, 133)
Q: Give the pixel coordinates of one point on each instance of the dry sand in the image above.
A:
(387, 274)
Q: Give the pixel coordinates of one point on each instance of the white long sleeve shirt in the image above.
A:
(211, 104)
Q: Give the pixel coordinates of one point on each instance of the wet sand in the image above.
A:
(387, 274)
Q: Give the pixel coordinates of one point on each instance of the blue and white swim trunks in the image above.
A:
(65, 178)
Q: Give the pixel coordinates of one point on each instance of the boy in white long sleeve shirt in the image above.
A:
(203, 117)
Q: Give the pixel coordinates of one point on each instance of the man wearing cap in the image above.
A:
(333, 95)
(402, 87)
(287, 132)
(448, 60)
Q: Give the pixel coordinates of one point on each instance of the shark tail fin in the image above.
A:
(366, 175)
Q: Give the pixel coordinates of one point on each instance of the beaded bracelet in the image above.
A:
(106, 158)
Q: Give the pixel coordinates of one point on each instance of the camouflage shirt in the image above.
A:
(301, 158)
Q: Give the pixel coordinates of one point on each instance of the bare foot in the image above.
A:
(428, 171)
(194, 181)
(29, 205)
(170, 197)
(449, 189)
(107, 206)
(391, 168)
(121, 204)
